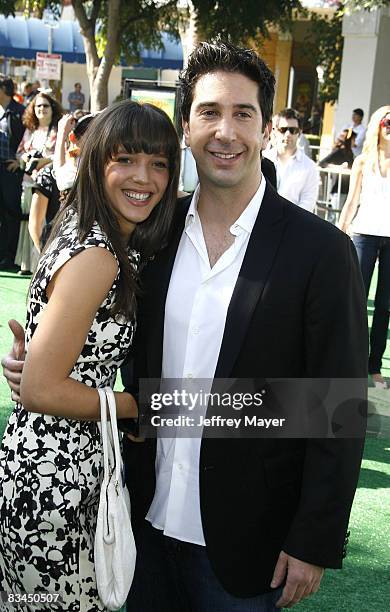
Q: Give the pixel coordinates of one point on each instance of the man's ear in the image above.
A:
(266, 135)
(186, 132)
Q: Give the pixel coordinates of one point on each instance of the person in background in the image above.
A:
(67, 149)
(11, 133)
(35, 151)
(45, 204)
(370, 187)
(297, 175)
(76, 98)
(28, 92)
(359, 129)
(340, 156)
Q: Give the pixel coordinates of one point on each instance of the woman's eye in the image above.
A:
(123, 160)
(161, 164)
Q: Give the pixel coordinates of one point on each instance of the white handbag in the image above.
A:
(115, 551)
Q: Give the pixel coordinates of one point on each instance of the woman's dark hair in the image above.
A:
(31, 121)
(138, 129)
(223, 56)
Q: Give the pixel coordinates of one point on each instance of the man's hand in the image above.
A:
(303, 579)
(13, 165)
(13, 362)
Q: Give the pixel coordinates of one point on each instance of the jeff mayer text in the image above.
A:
(215, 421)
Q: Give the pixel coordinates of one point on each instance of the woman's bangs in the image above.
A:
(144, 131)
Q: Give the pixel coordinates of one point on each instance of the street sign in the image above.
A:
(48, 66)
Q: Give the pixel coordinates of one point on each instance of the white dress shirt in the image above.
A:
(298, 179)
(360, 132)
(195, 314)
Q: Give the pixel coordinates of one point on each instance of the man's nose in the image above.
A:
(225, 131)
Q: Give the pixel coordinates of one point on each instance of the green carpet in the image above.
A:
(363, 585)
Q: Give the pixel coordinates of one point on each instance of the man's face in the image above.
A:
(77, 87)
(356, 119)
(286, 140)
(225, 130)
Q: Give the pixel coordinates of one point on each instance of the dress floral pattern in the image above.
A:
(50, 467)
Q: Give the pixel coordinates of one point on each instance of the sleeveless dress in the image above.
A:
(50, 467)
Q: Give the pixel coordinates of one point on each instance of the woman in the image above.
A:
(35, 152)
(47, 196)
(81, 319)
(341, 156)
(370, 186)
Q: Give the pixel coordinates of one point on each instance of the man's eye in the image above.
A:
(244, 115)
(209, 113)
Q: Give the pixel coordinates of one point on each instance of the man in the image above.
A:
(359, 129)
(249, 287)
(76, 98)
(11, 132)
(297, 175)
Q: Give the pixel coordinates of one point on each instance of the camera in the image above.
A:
(32, 162)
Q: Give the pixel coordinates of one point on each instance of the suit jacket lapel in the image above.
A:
(157, 280)
(262, 247)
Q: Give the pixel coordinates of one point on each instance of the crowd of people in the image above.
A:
(238, 280)
(30, 196)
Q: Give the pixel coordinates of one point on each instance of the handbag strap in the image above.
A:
(115, 436)
(103, 430)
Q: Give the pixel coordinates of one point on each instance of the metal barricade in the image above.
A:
(331, 201)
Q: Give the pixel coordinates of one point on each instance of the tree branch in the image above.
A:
(142, 16)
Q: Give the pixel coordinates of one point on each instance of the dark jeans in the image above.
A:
(173, 576)
(10, 212)
(369, 249)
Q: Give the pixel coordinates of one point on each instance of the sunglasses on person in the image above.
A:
(385, 122)
(42, 106)
(292, 130)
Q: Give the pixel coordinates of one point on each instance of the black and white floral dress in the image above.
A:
(50, 467)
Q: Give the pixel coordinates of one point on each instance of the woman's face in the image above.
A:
(384, 133)
(135, 184)
(43, 110)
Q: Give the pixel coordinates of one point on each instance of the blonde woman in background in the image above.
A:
(370, 187)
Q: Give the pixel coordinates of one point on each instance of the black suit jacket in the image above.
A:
(297, 310)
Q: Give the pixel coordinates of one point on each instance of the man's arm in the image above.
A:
(13, 362)
(336, 342)
(309, 193)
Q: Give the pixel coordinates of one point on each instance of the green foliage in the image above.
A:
(324, 44)
(238, 21)
(368, 5)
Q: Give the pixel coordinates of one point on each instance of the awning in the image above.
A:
(21, 38)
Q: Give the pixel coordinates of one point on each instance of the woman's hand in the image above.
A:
(66, 125)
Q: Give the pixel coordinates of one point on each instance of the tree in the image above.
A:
(325, 43)
(111, 28)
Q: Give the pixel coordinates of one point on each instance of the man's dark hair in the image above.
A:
(359, 111)
(7, 84)
(223, 56)
(290, 113)
(75, 85)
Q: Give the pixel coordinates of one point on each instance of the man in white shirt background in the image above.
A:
(357, 125)
(297, 175)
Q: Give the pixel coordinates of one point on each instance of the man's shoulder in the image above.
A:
(310, 227)
(15, 108)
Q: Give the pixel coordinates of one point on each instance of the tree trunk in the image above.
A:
(99, 70)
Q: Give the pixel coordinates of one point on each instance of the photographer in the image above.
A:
(35, 152)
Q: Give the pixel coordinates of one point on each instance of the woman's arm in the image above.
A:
(65, 126)
(75, 294)
(352, 201)
(37, 217)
